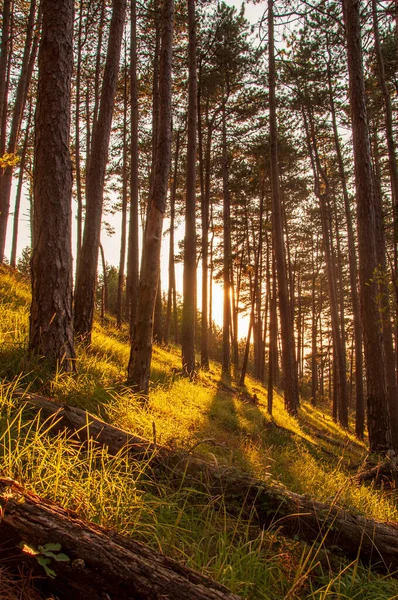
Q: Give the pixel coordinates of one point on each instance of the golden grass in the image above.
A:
(200, 416)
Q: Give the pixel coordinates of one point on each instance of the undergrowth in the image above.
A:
(203, 417)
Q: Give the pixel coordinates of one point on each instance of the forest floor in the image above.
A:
(309, 455)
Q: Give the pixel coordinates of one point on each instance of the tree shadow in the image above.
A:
(234, 429)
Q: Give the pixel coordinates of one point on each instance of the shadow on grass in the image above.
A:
(233, 430)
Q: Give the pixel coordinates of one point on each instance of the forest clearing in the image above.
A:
(177, 510)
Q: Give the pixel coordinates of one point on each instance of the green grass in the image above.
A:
(185, 524)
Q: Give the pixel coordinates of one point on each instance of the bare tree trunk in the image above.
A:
(377, 398)
(105, 291)
(86, 275)
(141, 349)
(158, 315)
(320, 177)
(205, 214)
(51, 329)
(22, 164)
(384, 302)
(287, 332)
(79, 193)
(28, 61)
(189, 277)
(226, 360)
(133, 269)
(359, 390)
(273, 339)
(122, 260)
(172, 273)
(4, 58)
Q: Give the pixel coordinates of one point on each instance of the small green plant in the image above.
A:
(44, 555)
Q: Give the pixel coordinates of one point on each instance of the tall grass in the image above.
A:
(186, 524)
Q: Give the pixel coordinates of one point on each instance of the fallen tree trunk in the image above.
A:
(374, 542)
(385, 473)
(93, 563)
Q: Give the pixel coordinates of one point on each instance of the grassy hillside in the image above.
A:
(203, 416)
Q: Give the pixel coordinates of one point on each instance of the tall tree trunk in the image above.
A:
(98, 64)
(172, 273)
(18, 195)
(4, 58)
(320, 179)
(28, 61)
(141, 349)
(79, 192)
(273, 339)
(384, 300)
(86, 275)
(133, 268)
(359, 389)
(205, 214)
(226, 353)
(189, 280)
(287, 332)
(377, 399)
(122, 259)
(158, 315)
(51, 329)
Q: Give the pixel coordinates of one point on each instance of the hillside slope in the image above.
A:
(309, 455)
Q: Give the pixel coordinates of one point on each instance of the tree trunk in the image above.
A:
(384, 302)
(189, 277)
(377, 398)
(226, 344)
(101, 563)
(4, 59)
(374, 542)
(205, 214)
(28, 61)
(86, 276)
(133, 270)
(359, 391)
(51, 329)
(287, 331)
(122, 259)
(141, 349)
(172, 273)
(79, 191)
(18, 195)
(321, 180)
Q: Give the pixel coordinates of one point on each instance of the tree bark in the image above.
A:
(18, 195)
(51, 329)
(172, 272)
(374, 542)
(377, 398)
(4, 57)
(86, 275)
(352, 260)
(101, 562)
(287, 332)
(189, 277)
(133, 269)
(28, 60)
(141, 349)
(123, 233)
(226, 328)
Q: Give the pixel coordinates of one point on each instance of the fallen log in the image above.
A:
(385, 473)
(374, 542)
(88, 562)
